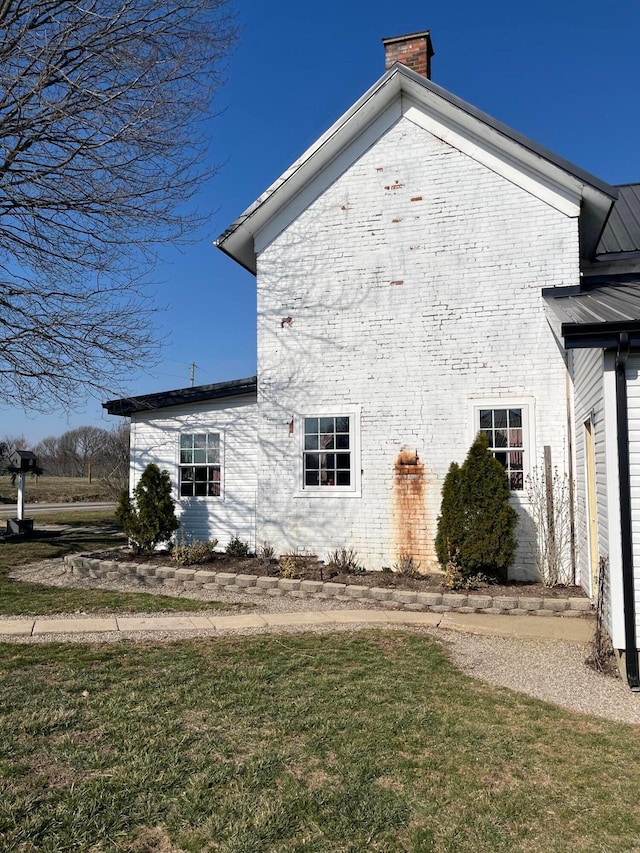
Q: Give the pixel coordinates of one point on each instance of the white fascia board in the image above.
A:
(616, 595)
(505, 157)
(237, 240)
(460, 124)
(329, 173)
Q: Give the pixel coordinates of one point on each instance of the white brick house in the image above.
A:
(400, 266)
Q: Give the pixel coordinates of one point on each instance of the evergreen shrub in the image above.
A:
(477, 523)
(148, 518)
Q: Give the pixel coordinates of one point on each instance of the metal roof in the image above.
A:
(594, 314)
(180, 396)
(622, 231)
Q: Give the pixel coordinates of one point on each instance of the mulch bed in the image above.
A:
(309, 568)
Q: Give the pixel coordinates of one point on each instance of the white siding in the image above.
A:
(633, 398)
(156, 438)
(589, 405)
(412, 285)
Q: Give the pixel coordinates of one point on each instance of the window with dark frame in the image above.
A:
(503, 428)
(200, 465)
(327, 452)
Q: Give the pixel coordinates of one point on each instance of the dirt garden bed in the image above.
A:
(309, 568)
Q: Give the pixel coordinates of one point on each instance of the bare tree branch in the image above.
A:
(102, 111)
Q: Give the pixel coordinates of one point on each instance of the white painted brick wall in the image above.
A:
(155, 437)
(413, 285)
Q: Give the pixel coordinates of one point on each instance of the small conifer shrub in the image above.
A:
(237, 548)
(477, 523)
(148, 517)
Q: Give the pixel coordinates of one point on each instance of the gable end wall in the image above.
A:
(410, 287)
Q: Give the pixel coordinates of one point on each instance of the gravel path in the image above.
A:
(551, 670)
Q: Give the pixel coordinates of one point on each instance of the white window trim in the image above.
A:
(355, 489)
(194, 431)
(528, 429)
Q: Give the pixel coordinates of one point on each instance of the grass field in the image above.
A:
(83, 531)
(334, 744)
(54, 490)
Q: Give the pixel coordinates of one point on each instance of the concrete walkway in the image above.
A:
(523, 627)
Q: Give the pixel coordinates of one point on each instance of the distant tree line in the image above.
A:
(87, 451)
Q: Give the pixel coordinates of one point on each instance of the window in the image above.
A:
(327, 452)
(506, 428)
(200, 465)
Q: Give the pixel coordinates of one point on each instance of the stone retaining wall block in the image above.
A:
(429, 599)
(404, 596)
(355, 591)
(454, 599)
(555, 604)
(225, 578)
(504, 602)
(246, 580)
(162, 572)
(311, 586)
(334, 588)
(480, 601)
(288, 584)
(580, 604)
(380, 593)
(530, 603)
(185, 574)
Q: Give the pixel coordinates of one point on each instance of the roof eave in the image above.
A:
(127, 406)
(600, 335)
(237, 240)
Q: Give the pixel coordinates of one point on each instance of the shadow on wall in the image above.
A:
(233, 512)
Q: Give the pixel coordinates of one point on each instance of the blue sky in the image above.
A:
(564, 72)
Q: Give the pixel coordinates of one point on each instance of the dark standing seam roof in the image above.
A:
(622, 231)
(594, 315)
(181, 396)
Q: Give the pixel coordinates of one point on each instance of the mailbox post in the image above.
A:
(23, 462)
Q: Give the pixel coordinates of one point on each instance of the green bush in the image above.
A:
(149, 518)
(236, 547)
(477, 523)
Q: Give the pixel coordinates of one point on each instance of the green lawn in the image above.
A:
(88, 531)
(336, 743)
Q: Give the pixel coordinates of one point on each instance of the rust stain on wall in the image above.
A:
(409, 508)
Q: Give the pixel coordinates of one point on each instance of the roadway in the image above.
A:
(30, 510)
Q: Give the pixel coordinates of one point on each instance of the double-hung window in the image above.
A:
(330, 453)
(200, 464)
(327, 452)
(506, 427)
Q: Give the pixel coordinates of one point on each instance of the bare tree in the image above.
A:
(48, 453)
(103, 453)
(114, 472)
(102, 111)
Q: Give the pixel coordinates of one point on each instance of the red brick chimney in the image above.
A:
(413, 50)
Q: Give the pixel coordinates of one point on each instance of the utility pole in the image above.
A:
(193, 372)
